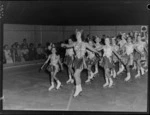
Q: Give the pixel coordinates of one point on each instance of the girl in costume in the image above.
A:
(69, 61)
(80, 50)
(121, 44)
(107, 61)
(90, 62)
(128, 56)
(140, 55)
(53, 67)
(114, 57)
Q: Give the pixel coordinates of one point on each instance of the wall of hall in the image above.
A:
(42, 34)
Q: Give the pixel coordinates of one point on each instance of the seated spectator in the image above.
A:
(32, 52)
(40, 52)
(19, 56)
(25, 53)
(25, 43)
(7, 53)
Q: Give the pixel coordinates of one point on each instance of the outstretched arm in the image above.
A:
(118, 56)
(145, 48)
(137, 50)
(91, 48)
(100, 48)
(46, 61)
(68, 45)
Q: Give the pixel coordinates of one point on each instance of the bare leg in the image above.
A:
(109, 77)
(106, 77)
(96, 69)
(52, 82)
(78, 82)
(114, 73)
(90, 74)
(121, 68)
(134, 63)
(138, 70)
(57, 81)
(128, 74)
(70, 72)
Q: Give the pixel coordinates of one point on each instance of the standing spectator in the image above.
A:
(47, 51)
(25, 53)
(103, 39)
(7, 53)
(25, 43)
(19, 56)
(13, 52)
(40, 53)
(32, 52)
(4, 59)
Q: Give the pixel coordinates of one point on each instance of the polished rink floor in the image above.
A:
(24, 88)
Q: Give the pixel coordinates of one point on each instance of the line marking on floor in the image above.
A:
(69, 103)
(21, 65)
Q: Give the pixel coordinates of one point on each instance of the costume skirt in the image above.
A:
(138, 56)
(52, 68)
(127, 59)
(68, 60)
(78, 63)
(106, 63)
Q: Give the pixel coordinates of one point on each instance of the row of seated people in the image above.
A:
(22, 53)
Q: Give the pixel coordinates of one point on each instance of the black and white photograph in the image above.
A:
(74, 56)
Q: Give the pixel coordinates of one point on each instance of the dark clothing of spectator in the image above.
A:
(13, 54)
(40, 53)
(4, 59)
(25, 44)
(32, 53)
(25, 53)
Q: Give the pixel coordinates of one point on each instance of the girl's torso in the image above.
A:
(80, 49)
(107, 51)
(129, 48)
(90, 54)
(54, 59)
(140, 46)
(69, 52)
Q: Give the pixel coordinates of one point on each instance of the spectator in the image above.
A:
(40, 53)
(19, 56)
(4, 59)
(25, 43)
(25, 53)
(13, 52)
(103, 39)
(32, 52)
(47, 51)
(7, 53)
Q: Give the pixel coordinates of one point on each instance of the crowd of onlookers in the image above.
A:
(23, 52)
